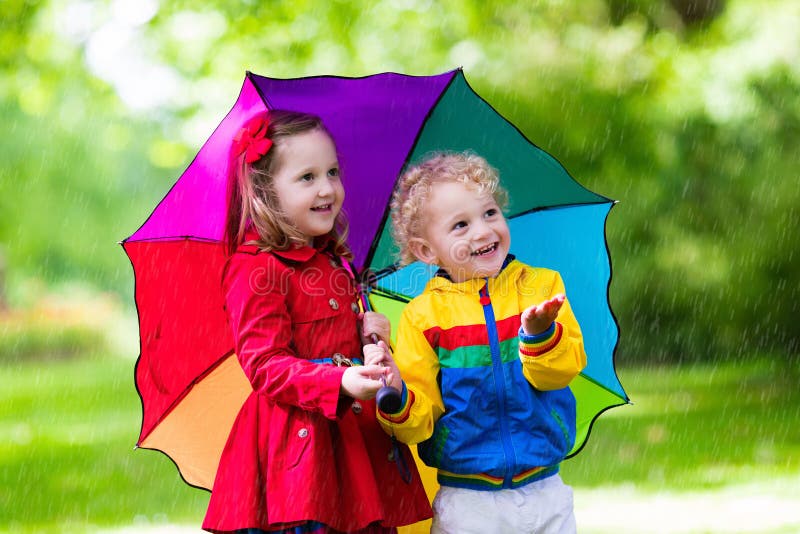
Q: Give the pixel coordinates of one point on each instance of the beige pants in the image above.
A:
(544, 506)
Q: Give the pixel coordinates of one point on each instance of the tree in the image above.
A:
(684, 110)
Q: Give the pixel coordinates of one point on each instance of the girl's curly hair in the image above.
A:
(413, 191)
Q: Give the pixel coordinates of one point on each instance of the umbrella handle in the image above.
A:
(388, 398)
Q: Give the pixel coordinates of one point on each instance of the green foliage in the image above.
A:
(54, 325)
(683, 110)
(701, 244)
(69, 193)
(26, 341)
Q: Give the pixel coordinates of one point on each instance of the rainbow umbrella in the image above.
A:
(187, 375)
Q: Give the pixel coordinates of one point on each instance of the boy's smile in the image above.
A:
(485, 250)
(465, 232)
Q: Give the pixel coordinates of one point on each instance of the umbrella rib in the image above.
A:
(171, 238)
(559, 206)
(386, 271)
(607, 389)
(391, 295)
(251, 79)
(385, 217)
(199, 378)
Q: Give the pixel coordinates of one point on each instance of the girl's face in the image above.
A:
(307, 182)
(465, 232)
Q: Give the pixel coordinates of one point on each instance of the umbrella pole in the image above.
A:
(388, 398)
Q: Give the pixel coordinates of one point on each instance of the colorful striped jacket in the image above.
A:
(488, 405)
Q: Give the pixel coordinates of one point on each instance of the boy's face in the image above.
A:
(465, 232)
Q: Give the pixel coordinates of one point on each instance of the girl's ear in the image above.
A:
(422, 250)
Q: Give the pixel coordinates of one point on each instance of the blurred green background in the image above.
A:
(687, 111)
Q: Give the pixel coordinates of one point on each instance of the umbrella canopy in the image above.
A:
(187, 375)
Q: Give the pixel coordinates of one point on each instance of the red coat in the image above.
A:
(299, 450)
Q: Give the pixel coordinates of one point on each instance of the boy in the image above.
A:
(483, 357)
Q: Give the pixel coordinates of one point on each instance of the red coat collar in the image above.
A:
(297, 254)
(301, 254)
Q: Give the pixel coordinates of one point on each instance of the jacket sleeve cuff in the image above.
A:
(538, 344)
(406, 400)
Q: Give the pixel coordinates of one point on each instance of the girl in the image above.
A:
(306, 453)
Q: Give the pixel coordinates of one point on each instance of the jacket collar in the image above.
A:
(300, 254)
(304, 253)
(441, 280)
(296, 254)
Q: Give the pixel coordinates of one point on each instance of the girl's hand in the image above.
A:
(363, 381)
(381, 355)
(538, 318)
(374, 323)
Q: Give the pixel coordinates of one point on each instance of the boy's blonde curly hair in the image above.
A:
(413, 189)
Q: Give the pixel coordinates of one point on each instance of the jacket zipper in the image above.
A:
(499, 382)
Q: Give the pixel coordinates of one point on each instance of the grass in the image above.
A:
(694, 427)
(67, 464)
(67, 430)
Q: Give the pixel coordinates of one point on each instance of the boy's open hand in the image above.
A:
(538, 318)
(381, 355)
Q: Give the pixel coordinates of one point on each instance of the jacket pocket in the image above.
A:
(431, 451)
(563, 428)
(322, 325)
(298, 442)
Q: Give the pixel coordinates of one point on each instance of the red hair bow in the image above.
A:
(252, 140)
